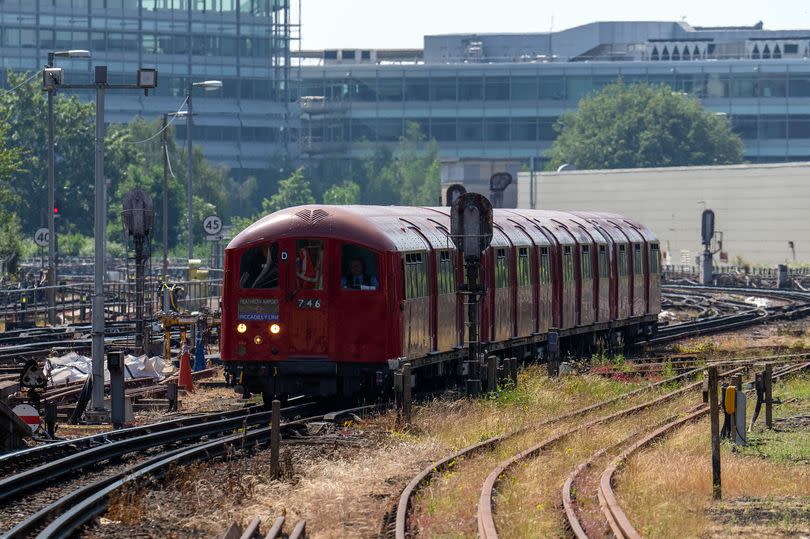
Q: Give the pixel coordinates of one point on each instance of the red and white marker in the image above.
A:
(28, 414)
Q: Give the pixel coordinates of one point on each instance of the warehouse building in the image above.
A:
(761, 210)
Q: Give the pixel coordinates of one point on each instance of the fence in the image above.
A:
(673, 270)
(25, 306)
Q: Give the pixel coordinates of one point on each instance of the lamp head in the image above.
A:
(209, 85)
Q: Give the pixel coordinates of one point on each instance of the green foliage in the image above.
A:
(346, 193)
(643, 126)
(294, 191)
(76, 244)
(10, 229)
(409, 176)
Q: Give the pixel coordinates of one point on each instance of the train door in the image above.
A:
(359, 294)
(304, 309)
(446, 300)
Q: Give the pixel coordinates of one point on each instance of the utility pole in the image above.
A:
(52, 77)
(206, 85)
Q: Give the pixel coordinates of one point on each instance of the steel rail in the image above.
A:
(89, 493)
(404, 503)
(617, 518)
(486, 502)
(44, 473)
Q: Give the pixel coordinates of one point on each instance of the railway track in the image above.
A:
(798, 306)
(399, 523)
(615, 520)
(61, 486)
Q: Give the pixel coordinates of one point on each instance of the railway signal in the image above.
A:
(471, 232)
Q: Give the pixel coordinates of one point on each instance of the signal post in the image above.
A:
(471, 232)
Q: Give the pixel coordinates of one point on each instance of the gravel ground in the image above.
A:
(341, 483)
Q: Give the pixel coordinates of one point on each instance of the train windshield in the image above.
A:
(358, 268)
(259, 267)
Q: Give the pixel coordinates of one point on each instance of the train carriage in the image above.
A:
(327, 300)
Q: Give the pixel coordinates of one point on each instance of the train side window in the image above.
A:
(568, 264)
(358, 268)
(603, 262)
(587, 272)
(309, 264)
(638, 265)
(622, 260)
(447, 273)
(545, 266)
(501, 269)
(259, 267)
(523, 267)
(415, 276)
(655, 259)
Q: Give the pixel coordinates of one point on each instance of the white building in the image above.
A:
(758, 209)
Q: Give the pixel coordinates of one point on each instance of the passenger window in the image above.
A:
(358, 268)
(447, 273)
(501, 269)
(622, 260)
(309, 264)
(603, 262)
(655, 259)
(524, 271)
(545, 266)
(259, 267)
(586, 262)
(415, 275)
(638, 265)
(568, 264)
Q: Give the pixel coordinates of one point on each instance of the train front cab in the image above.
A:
(283, 335)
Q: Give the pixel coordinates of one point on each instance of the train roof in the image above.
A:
(392, 228)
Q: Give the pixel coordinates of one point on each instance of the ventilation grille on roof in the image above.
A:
(312, 217)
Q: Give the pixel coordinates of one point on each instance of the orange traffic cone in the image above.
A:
(184, 379)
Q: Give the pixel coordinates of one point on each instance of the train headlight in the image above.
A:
(241, 328)
(258, 339)
(275, 329)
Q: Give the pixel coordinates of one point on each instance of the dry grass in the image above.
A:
(529, 504)
(666, 490)
(446, 507)
(340, 490)
(788, 337)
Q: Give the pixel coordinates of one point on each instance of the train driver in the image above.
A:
(357, 278)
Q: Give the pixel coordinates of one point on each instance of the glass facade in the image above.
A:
(243, 43)
(509, 110)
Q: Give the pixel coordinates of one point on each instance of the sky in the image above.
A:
(380, 24)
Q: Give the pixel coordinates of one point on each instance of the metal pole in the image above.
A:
(715, 428)
(51, 203)
(473, 367)
(189, 197)
(100, 232)
(769, 395)
(275, 439)
(406, 393)
(165, 203)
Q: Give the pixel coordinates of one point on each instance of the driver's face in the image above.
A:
(356, 267)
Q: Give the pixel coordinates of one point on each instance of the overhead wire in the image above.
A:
(23, 83)
(165, 127)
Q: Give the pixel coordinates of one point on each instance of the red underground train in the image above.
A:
(328, 300)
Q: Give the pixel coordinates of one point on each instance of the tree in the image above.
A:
(346, 193)
(643, 126)
(10, 230)
(409, 175)
(294, 191)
